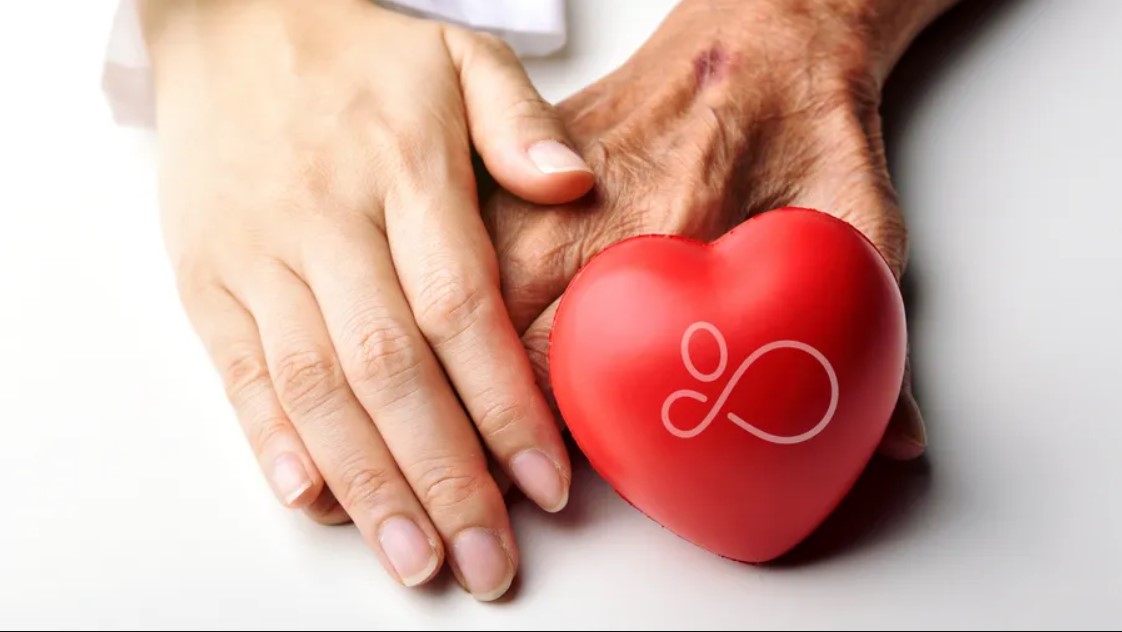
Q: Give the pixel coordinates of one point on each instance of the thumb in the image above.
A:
(519, 136)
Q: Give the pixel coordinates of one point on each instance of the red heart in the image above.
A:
(734, 391)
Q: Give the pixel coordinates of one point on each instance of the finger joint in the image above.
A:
(265, 432)
(494, 44)
(389, 357)
(452, 305)
(365, 486)
(242, 375)
(448, 484)
(500, 418)
(306, 380)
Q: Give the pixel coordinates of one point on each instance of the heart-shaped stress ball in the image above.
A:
(733, 391)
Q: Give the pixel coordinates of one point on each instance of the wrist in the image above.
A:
(865, 37)
(226, 32)
(885, 28)
(182, 37)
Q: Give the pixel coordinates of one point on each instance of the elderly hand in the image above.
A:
(730, 109)
(321, 214)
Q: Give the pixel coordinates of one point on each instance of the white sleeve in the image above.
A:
(533, 28)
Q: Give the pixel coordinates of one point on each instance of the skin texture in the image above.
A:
(730, 109)
(371, 325)
(328, 247)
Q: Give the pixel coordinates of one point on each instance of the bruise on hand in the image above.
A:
(710, 66)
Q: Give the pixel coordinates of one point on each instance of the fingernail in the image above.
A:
(409, 551)
(902, 448)
(550, 156)
(484, 566)
(290, 477)
(539, 479)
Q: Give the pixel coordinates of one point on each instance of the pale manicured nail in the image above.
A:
(484, 566)
(409, 551)
(900, 448)
(539, 479)
(290, 477)
(550, 156)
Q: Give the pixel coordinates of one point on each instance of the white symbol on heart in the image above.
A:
(734, 380)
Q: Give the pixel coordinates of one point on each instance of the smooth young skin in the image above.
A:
(321, 215)
(731, 108)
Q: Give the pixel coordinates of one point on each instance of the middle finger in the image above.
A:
(346, 447)
(393, 373)
(450, 276)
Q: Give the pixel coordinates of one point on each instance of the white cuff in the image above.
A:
(533, 28)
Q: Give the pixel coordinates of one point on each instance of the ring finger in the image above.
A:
(231, 338)
(350, 453)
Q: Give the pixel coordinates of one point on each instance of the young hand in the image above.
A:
(321, 214)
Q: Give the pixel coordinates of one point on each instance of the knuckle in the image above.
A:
(409, 146)
(364, 485)
(494, 44)
(500, 418)
(404, 150)
(306, 379)
(193, 265)
(190, 284)
(264, 432)
(451, 305)
(389, 357)
(448, 484)
(529, 107)
(243, 373)
(201, 298)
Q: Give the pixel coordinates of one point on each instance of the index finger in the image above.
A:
(451, 281)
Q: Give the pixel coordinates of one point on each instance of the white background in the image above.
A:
(128, 497)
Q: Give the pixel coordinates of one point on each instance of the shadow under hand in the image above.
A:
(877, 505)
(933, 53)
(917, 75)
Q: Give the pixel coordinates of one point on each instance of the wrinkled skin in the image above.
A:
(719, 116)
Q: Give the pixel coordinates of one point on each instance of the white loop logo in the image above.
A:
(734, 380)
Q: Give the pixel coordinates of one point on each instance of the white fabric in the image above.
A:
(532, 27)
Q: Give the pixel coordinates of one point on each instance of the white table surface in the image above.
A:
(128, 497)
